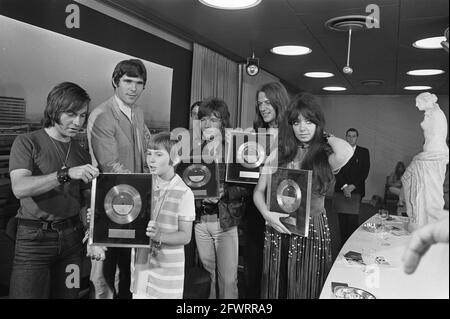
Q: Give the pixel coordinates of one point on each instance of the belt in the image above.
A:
(209, 209)
(51, 225)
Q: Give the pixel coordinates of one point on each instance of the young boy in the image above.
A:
(158, 272)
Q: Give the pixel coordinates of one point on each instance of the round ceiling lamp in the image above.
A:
(334, 88)
(348, 24)
(424, 72)
(319, 75)
(291, 50)
(231, 4)
(429, 43)
(417, 87)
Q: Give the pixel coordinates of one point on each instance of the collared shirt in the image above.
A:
(123, 107)
(354, 148)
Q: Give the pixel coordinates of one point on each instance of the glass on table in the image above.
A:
(383, 216)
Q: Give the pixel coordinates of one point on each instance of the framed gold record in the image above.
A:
(201, 175)
(289, 192)
(245, 155)
(122, 207)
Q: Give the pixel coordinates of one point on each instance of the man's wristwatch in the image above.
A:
(63, 175)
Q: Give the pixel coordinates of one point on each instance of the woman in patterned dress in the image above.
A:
(296, 267)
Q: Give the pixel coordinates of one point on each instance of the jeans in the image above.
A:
(47, 263)
(111, 277)
(219, 248)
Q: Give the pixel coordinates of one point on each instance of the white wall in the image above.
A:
(388, 125)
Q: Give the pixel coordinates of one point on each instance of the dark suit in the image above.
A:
(354, 172)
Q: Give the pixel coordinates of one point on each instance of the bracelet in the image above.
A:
(63, 175)
(156, 243)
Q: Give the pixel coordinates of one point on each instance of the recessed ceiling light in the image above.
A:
(319, 75)
(231, 4)
(291, 50)
(423, 72)
(429, 43)
(334, 88)
(417, 87)
(372, 82)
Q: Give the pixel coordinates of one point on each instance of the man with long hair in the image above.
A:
(50, 174)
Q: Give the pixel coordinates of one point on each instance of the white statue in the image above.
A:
(424, 178)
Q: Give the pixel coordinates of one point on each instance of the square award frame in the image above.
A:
(245, 155)
(122, 210)
(201, 175)
(289, 192)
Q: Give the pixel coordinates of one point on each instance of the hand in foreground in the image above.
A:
(421, 240)
(85, 172)
(273, 220)
(153, 231)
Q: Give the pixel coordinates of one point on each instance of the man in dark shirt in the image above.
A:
(50, 173)
(350, 186)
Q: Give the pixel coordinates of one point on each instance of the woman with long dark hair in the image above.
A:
(294, 266)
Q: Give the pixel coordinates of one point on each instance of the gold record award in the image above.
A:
(251, 154)
(196, 175)
(289, 196)
(289, 192)
(122, 204)
(245, 155)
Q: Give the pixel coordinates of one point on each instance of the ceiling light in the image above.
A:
(230, 4)
(334, 88)
(252, 65)
(423, 72)
(372, 82)
(417, 87)
(319, 75)
(429, 43)
(291, 50)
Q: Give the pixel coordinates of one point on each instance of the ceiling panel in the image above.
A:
(377, 54)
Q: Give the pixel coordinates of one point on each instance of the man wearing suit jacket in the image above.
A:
(118, 139)
(350, 186)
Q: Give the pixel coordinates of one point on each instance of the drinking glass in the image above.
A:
(383, 215)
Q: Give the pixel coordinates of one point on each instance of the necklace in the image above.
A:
(64, 162)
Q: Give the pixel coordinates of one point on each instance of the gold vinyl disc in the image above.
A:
(123, 204)
(289, 196)
(251, 154)
(196, 175)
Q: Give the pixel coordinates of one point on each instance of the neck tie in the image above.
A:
(137, 144)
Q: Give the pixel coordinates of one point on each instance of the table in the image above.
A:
(430, 280)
